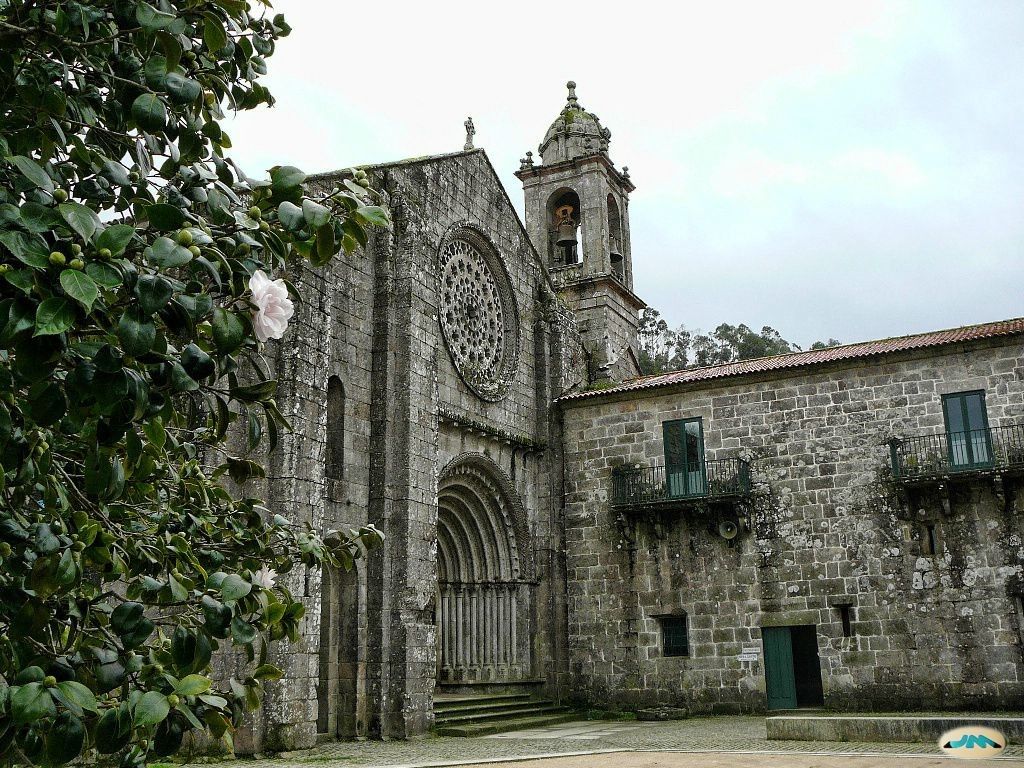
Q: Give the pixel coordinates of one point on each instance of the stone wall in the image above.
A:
(828, 528)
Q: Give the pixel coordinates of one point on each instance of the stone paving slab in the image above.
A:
(732, 735)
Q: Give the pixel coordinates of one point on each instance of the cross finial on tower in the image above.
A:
(573, 102)
(470, 132)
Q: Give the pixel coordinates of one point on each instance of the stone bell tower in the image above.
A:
(577, 214)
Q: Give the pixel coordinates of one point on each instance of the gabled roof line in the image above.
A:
(449, 156)
(811, 357)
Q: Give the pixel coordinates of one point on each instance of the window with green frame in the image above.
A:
(968, 439)
(685, 471)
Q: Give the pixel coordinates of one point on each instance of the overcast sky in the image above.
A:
(851, 170)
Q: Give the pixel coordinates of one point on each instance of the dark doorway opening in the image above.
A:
(792, 668)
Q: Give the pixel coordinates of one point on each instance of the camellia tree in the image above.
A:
(142, 272)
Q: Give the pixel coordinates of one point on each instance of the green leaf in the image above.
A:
(268, 672)
(136, 331)
(20, 279)
(153, 293)
(183, 90)
(47, 403)
(325, 244)
(151, 708)
(234, 587)
(39, 218)
(103, 274)
(290, 215)
(113, 731)
(150, 19)
(115, 237)
(213, 33)
(33, 172)
(28, 249)
(79, 694)
(55, 315)
(193, 685)
(149, 112)
(228, 330)
(80, 218)
(64, 739)
(242, 632)
(284, 178)
(190, 651)
(80, 287)
(316, 215)
(165, 217)
(166, 253)
(31, 702)
(373, 215)
(130, 623)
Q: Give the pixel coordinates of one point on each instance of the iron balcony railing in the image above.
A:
(948, 453)
(718, 478)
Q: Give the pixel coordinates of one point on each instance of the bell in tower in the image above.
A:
(565, 225)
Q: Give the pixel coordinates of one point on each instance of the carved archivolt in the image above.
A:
(477, 312)
(483, 535)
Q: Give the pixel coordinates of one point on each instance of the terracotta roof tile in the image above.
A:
(813, 357)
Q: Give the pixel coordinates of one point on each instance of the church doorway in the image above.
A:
(485, 591)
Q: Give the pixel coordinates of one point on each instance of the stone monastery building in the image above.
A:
(837, 528)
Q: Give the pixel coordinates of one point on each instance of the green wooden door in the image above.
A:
(780, 679)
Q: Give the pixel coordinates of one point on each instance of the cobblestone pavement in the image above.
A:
(704, 735)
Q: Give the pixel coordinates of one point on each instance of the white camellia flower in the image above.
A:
(264, 577)
(273, 307)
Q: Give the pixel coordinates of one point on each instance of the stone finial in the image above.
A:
(571, 99)
(625, 171)
(526, 162)
(470, 132)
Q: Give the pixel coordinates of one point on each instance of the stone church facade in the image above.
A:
(809, 529)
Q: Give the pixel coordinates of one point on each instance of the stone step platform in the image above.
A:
(501, 726)
(461, 715)
(879, 727)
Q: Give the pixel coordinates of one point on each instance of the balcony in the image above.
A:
(725, 480)
(931, 458)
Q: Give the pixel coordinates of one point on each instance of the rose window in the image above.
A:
(477, 318)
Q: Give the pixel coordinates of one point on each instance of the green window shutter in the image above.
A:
(685, 470)
(968, 439)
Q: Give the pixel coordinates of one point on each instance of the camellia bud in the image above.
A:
(60, 195)
(105, 253)
(49, 681)
(77, 264)
(57, 258)
(194, 250)
(172, 700)
(184, 237)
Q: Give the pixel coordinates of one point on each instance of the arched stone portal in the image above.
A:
(485, 575)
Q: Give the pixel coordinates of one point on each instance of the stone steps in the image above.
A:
(501, 726)
(495, 713)
(537, 708)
